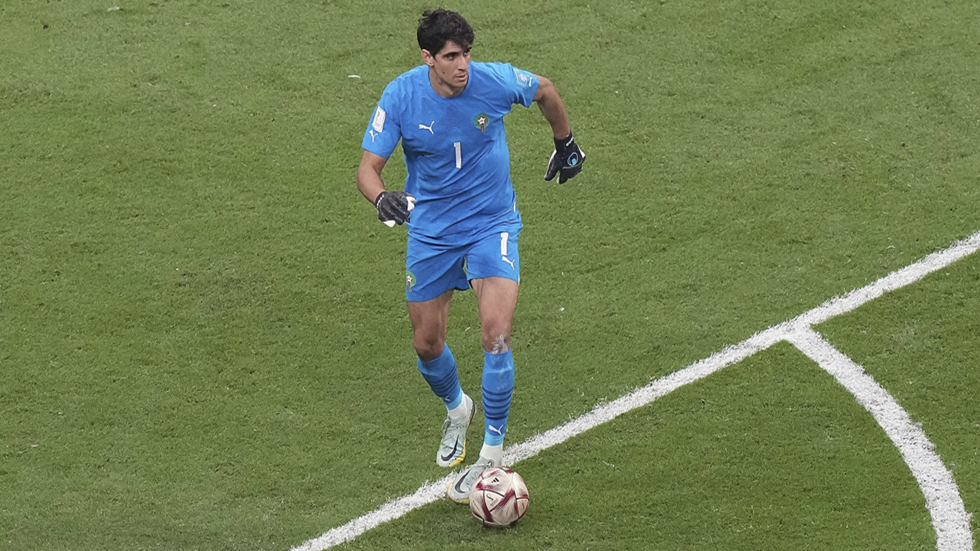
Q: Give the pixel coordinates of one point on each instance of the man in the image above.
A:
(462, 214)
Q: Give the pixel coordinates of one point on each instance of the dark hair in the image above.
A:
(436, 27)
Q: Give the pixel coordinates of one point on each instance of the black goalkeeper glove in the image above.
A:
(567, 159)
(394, 207)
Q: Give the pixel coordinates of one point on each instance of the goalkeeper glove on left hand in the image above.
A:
(394, 207)
(567, 159)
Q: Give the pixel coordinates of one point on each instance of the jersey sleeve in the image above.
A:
(384, 129)
(520, 84)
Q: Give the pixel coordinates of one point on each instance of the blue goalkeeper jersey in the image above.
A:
(455, 148)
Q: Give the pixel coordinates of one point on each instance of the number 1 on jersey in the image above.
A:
(459, 155)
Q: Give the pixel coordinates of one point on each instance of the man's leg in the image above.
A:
(497, 299)
(430, 322)
(438, 367)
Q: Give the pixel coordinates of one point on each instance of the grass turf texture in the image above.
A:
(202, 327)
(769, 454)
(921, 345)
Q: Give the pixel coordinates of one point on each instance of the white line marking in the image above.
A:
(640, 397)
(785, 331)
(428, 493)
(949, 516)
(895, 280)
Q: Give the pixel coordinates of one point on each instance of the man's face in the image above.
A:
(449, 70)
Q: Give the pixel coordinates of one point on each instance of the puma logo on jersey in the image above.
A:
(509, 261)
(429, 128)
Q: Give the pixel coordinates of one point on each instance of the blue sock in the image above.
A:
(498, 387)
(440, 373)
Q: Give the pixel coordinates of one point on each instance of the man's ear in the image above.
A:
(428, 58)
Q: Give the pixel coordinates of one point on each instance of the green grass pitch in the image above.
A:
(203, 338)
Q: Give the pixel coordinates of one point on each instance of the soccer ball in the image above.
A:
(499, 498)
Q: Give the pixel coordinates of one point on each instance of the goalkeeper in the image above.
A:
(461, 212)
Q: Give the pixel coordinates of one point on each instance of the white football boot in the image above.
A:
(452, 450)
(459, 488)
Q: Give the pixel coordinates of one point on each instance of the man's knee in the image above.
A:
(428, 347)
(496, 342)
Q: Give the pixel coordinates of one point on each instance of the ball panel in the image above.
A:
(499, 498)
(520, 494)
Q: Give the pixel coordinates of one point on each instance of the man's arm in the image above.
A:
(393, 207)
(567, 158)
(552, 107)
(369, 176)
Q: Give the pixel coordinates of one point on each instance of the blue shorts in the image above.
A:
(434, 268)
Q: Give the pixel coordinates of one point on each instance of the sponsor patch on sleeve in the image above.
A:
(524, 78)
(378, 124)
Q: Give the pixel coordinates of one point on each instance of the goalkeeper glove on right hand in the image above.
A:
(394, 207)
(567, 159)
